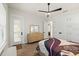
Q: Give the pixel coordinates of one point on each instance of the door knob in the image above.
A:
(21, 33)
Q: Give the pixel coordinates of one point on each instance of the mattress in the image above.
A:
(44, 50)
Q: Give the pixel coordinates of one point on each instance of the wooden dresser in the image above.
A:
(35, 36)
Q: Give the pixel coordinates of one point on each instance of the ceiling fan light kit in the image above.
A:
(47, 14)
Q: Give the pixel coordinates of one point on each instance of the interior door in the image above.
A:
(17, 30)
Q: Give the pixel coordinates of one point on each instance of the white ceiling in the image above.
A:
(34, 7)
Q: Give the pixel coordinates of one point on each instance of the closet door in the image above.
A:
(59, 27)
(68, 29)
(75, 28)
(72, 28)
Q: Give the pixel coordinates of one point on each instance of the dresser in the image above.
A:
(35, 36)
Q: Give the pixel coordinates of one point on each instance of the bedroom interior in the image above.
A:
(39, 29)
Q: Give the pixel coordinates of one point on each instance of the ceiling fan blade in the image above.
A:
(56, 10)
(43, 11)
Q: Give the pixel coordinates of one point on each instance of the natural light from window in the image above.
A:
(2, 26)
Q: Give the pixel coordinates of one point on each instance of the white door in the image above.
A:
(48, 27)
(45, 29)
(17, 30)
(75, 29)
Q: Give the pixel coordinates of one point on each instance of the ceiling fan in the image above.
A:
(50, 11)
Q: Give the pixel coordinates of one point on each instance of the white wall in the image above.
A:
(68, 25)
(29, 19)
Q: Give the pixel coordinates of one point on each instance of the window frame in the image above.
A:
(3, 27)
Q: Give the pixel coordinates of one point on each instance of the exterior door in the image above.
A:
(17, 30)
(48, 27)
(45, 29)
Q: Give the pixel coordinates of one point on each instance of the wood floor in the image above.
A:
(27, 50)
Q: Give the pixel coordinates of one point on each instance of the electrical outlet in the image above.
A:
(60, 32)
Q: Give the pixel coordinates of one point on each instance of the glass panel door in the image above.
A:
(18, 32)
(45, 30)
(48, 29)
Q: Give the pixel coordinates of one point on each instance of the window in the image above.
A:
(34, 28)
(1, 34)
(2, 25)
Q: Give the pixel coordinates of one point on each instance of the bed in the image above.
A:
(65, 48)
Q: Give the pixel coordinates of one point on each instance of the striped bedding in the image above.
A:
(50, 47)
